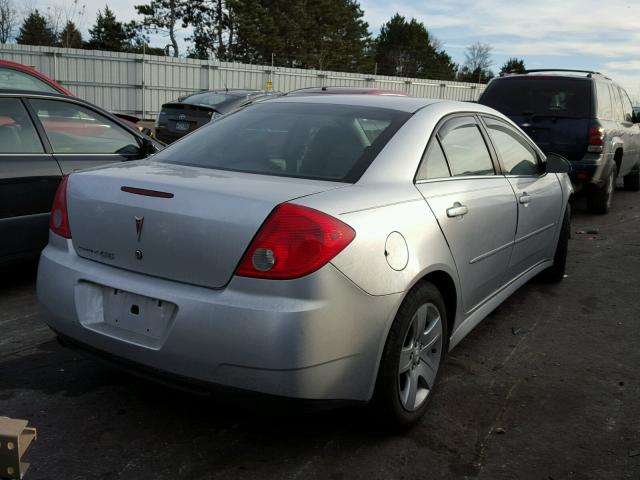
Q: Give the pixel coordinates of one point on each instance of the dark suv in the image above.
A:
(581, 115)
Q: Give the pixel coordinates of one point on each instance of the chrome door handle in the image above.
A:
(524, 198)
(458, 210)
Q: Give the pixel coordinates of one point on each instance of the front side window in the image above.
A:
(307, 140)
(72, 128)
(466, 150)
(17, 133)
(17, 80)
(516, 154)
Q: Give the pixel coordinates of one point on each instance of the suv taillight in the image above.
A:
(59, 219)
(596, 138)
(294, 241)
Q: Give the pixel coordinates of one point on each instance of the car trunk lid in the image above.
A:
(185, 117)
(181, 223)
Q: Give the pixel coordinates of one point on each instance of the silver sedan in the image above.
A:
(325, 248)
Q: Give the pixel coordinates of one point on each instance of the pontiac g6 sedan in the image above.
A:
(316, 247)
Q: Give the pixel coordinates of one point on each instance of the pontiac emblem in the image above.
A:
(139, 224)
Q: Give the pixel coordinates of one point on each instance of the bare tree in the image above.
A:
(61, 14)
(478, 59)
(8, 20)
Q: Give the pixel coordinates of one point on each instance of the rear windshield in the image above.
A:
(317, 141)
(557, 97)
(208, 98)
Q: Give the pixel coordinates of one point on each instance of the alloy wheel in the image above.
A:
(420, 357)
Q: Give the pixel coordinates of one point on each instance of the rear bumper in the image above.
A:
(319, 337)
(592, 170)
(165, 135)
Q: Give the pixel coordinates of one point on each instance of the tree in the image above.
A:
(163, 16)
(70, 37)
(8, 20)
(214, 27)
(405, 48)
(108, 33)
(513, 65)
(477, 63)
(35, 30)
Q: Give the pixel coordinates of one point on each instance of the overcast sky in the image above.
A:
(587, 34)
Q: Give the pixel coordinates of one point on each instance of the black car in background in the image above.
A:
(43, 137)
(583, 116)
(189, 113)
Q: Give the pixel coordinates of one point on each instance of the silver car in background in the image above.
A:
(319, 247)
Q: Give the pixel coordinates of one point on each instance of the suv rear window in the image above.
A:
(548, 96)
(317, 141)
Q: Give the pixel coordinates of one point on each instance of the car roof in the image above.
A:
(346, 91)
(229, 91)
(404, 104)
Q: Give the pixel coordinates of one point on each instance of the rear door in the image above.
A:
(29, 178)
(474, 206)
(539, 197)
(81, 137)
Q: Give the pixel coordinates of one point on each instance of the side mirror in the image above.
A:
(148, 148)
(557, 164)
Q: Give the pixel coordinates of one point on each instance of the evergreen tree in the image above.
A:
(35, 30)
(213, 25)
(513, 65)
(324, 34)
(108, 33)
(405, 48)
(70, 37)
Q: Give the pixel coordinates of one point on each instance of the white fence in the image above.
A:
(140, 84)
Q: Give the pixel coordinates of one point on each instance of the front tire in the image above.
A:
(415, 349)
(599, 200)
(632, 181)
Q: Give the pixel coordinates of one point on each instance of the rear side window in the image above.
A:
(546, 96)
(434, 163)
(627, 108)
(17, 80)
(516, 154)
(307, 140)
(617, 104)
(466, 150)
(603, 96)
(17, 133)
(72, 128)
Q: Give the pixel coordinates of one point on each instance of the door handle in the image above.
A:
(458, 210)
(524, 198)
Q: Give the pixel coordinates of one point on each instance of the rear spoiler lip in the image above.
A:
(187, 106)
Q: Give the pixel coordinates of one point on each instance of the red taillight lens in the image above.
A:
(59, 219)
(596, 138)
(294, 241)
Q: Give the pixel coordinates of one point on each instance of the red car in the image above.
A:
(15, 76)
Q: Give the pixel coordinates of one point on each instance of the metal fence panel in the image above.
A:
(139, 84)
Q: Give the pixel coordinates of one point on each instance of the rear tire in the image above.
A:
(555, 273)
(599, 200)
(415, 349)
(632, 181)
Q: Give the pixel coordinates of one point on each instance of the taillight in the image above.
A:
(59, 219)
(596, 138)
(294, 241)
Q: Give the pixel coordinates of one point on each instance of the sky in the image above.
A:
(577, 34)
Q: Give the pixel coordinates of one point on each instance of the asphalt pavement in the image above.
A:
(547, 387)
